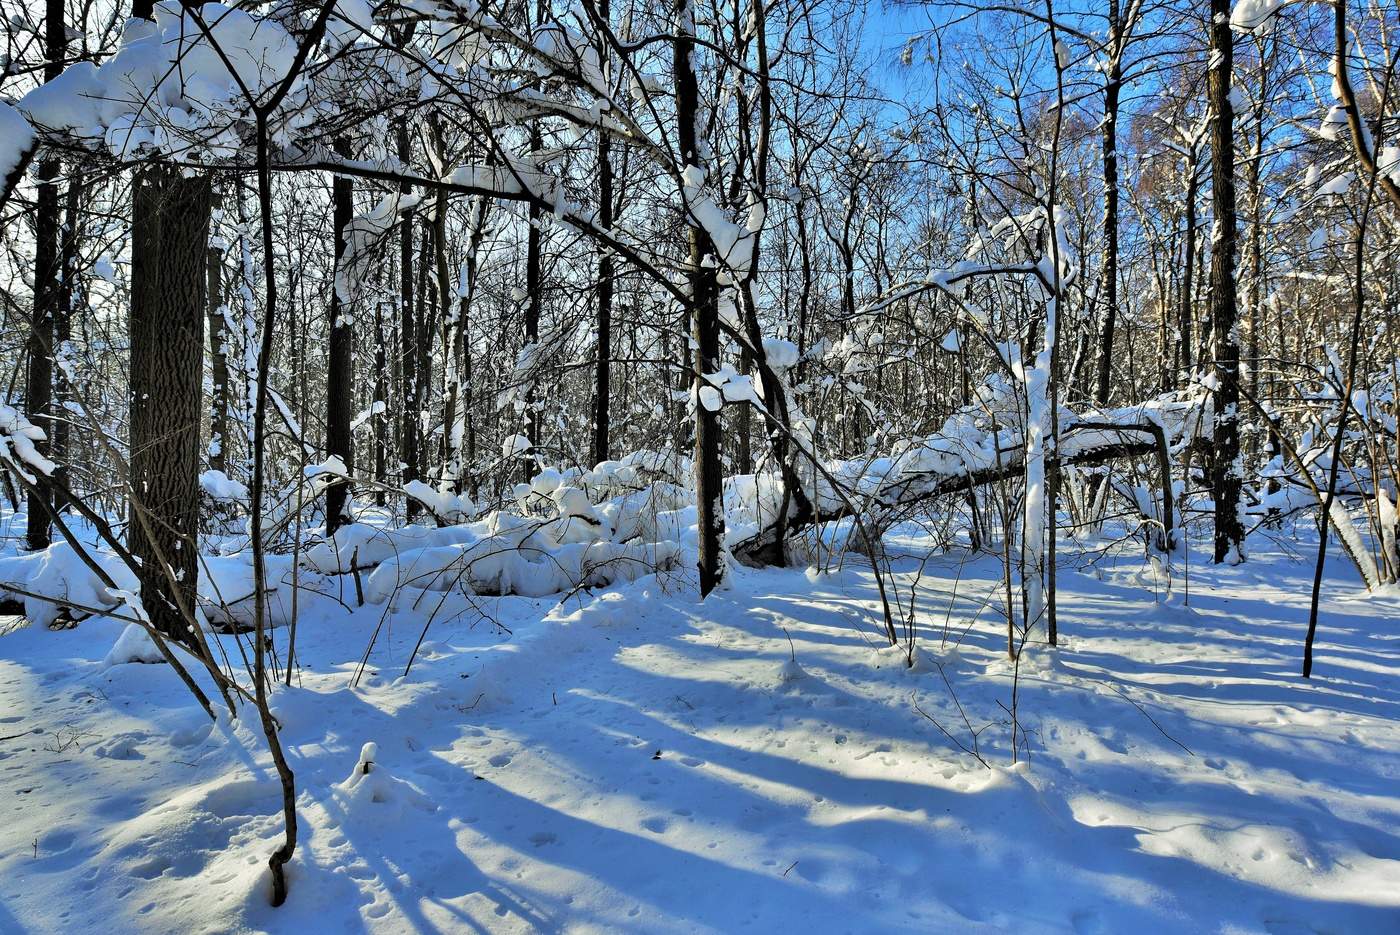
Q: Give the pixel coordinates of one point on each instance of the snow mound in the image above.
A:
(134, 645)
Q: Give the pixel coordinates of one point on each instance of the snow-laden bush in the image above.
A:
(509, 554)
(57, 577)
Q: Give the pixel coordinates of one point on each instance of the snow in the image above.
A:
(1251, 15)
(602, 764)
(134, 645)
(219, 486)
(169, 88)
(781, 355)
(450, 507)
(58, 574)
(17, 438)
(16, 139)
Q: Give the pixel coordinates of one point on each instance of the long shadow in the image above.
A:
(836, 787)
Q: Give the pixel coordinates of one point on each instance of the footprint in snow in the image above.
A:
(656, 825)
(500, 759)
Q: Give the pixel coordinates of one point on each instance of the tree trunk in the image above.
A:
(218, 353)
(408, 339)
(1225, 468)
(533, 284)
(63, 332)
(38, 394)
(1186, 359)
(704, 313)
(381, 395)
(1108, 293)
(170, 236)
(340, 368)
(603, 368)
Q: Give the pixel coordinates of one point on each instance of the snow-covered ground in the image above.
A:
(636, 761)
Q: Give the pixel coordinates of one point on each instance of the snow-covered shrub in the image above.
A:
(61, 578)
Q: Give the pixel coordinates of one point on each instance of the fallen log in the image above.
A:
(767, 546)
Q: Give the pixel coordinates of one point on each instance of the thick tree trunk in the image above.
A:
(1225, 467)
(170, 236)
(340, 370)
(38, 385)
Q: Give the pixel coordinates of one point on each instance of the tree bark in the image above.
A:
(704, 313)
(38, 394)
(340, 371)
(1108, 292)
(408, 339)
(602, 373)
(63, 332)
(1185, 357)
(1225, 467)
(170, 235)
(218, 355)
(533, 284)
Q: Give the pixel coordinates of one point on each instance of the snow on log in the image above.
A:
(968, 453)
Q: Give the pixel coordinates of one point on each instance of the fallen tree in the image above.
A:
(975, 448)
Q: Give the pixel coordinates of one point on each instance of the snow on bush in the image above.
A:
(220, 487)
(444, 505)
(227, 596)
(59, 578)
(518, 556)
(360, 545)
(17, 438)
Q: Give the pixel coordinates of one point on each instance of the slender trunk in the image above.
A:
(457, 407)
(1367, 158)
(1186, 358)
(63, 331)
(408, 338)
(1225, 467)
(533, 286)
(218, 351)
(602, 373)
(1108, 292)
(279, 857)
(704, 312)
(38, 395)
(381, 395)
(340, 365)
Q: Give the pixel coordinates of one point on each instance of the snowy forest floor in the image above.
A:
(636, 761)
